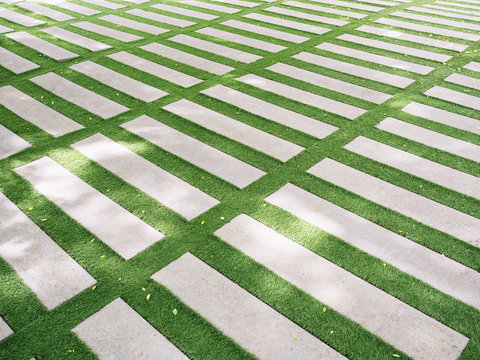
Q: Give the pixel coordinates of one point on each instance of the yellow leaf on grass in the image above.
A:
(324, 309)
(148, 297)
(396, 355)
(175, 312)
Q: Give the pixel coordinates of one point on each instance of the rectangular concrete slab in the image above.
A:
(330, 83)
(474, 66)
(118, 332)
(270, 111)
(164, 187)
(18, 18)
(116, 227)
(236, 130)
(15, 63)
(39, 9)
(288, 23)
(405, 50)
(444, 117)
(44, 47)
(423, 168)
(350, 5)
(187, 58)
(325, 9)
(464, 80)
(240, 39)
(184, 11)
(436, 20)
(265, 31)
(42, 264)
(132, 24)
(374, 309)
(440, 272)
(431, 138)
(238, 3)
(118, 81)
(4, 29)
(105, 4)
(210, 6)
(252, 324)
(349, 111)
(443, 12)
(10, 143)
(37, 113)
(377, 59)
(216, 49)
(393, 197)
(106, 31)
(306, 16)
(355, 70)
(87, 99)
(455, 97)
(428, 29)
(159, 18)
(412, 38)
(196, 152)
(5, 330)
(155, 69)
(84, 10)
(76, 39)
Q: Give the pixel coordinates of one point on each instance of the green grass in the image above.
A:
(47, 334)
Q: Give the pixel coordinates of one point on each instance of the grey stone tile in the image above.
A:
(213, 48)
(119, 332)
(18, 18)
(76, 39)
(146, 176)
(437, 20)
(184, 11)
(236, 130)
(132, 24)
(410, 37)
(288, 23)
(270, 111)
(454, 7)
(4, 29)
(106, 31)
(333, 106)
(431, 138)
(155, 69)
(10, 143)
(464, 80)
(474, 66)
(377, 59)
(325, 9)
(247, 4)
(116, 227)
(375, 310)
(15, 63)
(418, 166)
(428, 29)
(196, 152)
(105, 4)
(42, 264)
(5, 330)
(239, 315)
(96, 104)
(44, 10)
(443, 117)
(426, 265)
(187, 58)
(265, 31)
(330, 83)
(240, 39)
(306, 16)
(36, 112)
(159, 17)
(350, 5)
(132, 87)
(454, 97)
(84, 10)
(356, 70)
(210, 6)
(443, 12)
(405, 50)
(417, 207)
(44, 47)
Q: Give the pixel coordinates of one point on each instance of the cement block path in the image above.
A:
(239, 179)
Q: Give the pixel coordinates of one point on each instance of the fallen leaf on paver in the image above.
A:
(295, 339)
(175, 311)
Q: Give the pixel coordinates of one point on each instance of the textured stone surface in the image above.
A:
(37, 8)
(455, 97)
(277, 34)
(15, 63)
(210, 6)
(249, 322)
(184, 11)
(10, 143)
(5, 330)
(76, 39)
(159, 18)
(105, 31)
(132, 24)
(288, 23)
(120, 230)
(18, 18)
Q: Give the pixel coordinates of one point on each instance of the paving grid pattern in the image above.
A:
(165, 150)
